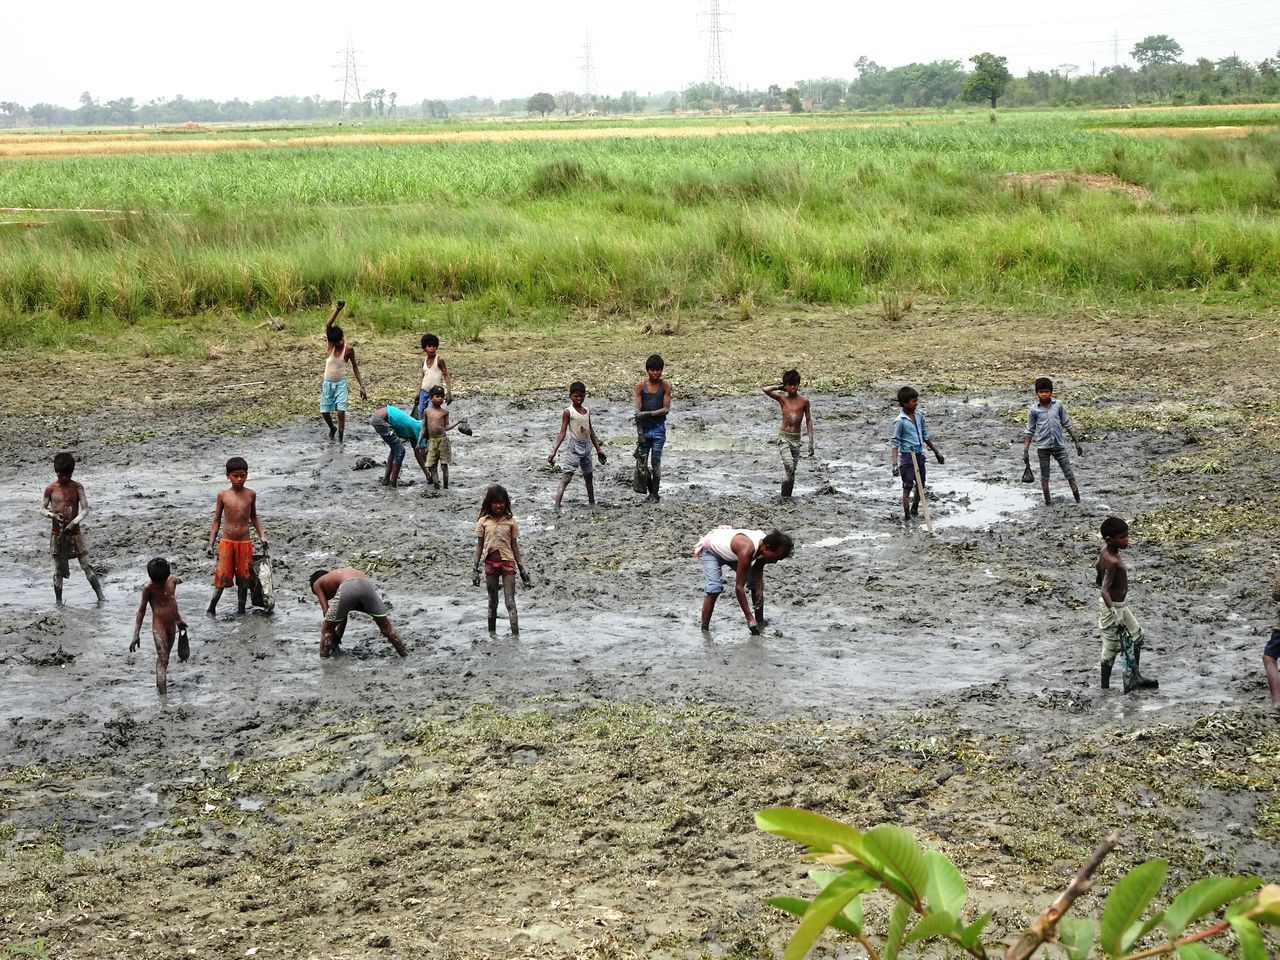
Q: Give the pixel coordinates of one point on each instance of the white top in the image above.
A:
(720, 542)
(431, 375)
(579, 424)
(335, 365)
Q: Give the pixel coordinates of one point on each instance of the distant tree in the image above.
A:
(989, 78)
(792, 96)
(540, 103)
(391, 100)
(1157, 50)
(568, 101)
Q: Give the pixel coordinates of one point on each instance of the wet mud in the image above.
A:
(586, 788)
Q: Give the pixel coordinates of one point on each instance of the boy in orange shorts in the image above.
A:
(238, 506)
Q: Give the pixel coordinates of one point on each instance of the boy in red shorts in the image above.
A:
(238, 506)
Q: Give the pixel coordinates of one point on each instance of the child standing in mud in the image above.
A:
(333, 389)
(237, 507)
(1047, 421)
(575, 423)
(748, 551)
(434, 374)
(906, 451)
(653, 403)
(66, 505)
(1121, 633)
(498, 546)
(1271, 652)
(795, 411)
(161, 594)
(434, 436)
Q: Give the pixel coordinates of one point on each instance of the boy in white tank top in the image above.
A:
(333, 389)
(748, 551)
(434, 374)
(576, 425)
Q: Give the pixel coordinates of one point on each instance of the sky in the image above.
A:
(503, 49)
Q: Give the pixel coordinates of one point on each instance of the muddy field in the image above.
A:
(587, 788)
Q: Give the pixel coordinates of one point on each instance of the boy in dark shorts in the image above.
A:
(1121, 633)
(237, 508)
(161, 593)
(66, 505)
(795, 413)
(343, 592)
(653, 403)
(906, 450)
(1047, 421)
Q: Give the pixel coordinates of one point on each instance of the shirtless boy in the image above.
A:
(434, 374)
(161, 593)
(66, 505)
(749, 552)
(343, 592)
(1116, 621)
(653, 403)
(795, 410)
(238, 508)
(575, 424)
(434, 436)
(333, 391)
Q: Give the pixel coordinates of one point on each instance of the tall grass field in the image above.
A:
(827, 213)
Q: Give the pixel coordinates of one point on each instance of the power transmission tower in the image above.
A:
(1115, 49)
(716, 30)
(350, 77)
(588, 68)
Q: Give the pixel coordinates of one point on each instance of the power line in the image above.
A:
(1164, 12)
(350, 77)
(588, 68)
(716, 30)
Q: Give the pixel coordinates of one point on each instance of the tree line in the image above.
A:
(1160, 76)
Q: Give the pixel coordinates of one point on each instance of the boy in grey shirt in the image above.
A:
(1047, 422)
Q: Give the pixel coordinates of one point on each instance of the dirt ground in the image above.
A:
(586, 790)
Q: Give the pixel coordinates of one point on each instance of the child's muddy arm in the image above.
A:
(46, 507)
(82, 509)
(420, 455)
(423, 432)
(257, 524)
(936, 452)
(564, 427)
(773, 391)
(740, 588)
(475, 567)
(1071, 432)
(355, 369)
(448, 381)
(334, 316)
(1108, 579)
(515, 552)
(217, 522)
(596, 442)
(808, 419)
(757, 591)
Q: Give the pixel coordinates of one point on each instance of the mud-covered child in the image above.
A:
(1047, 427)
(1271, 652)
(434, 436)
(434, 374)
(1121, 633)
(748, 552)
(66, 505)
(333, 389)
(575, 426)
(498, 546)
(161, 594)
(235, 513)
(653, 403)
(906, 450)
(795, 413)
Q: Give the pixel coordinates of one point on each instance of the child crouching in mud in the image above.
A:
(748, 552)
(161, 594)
(1121, 633)
(497, 545)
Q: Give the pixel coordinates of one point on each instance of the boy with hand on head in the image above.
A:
(238, 507)
(66, 505)
(1047, 420)
(433, 435)
(749, 551)
(1120, 631)
(653, 403)
(576, 424)
(906, 450)
(795, 410)
(434, 374)
(333, 390)
(161, 593)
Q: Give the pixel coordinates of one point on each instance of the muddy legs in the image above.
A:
(333, 430)
(509, 598)
(1106, 675)
(388, 631)
(1273, 681)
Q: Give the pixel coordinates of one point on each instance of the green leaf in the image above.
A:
(811, 829)
(853, 909)
(970, 934)
(1127, 901)
(824, 877)
(1137, 931)
(1198, 951)
(852, 914)
(797, 907)
(823, 911)
(1252, 946)
(946, 889)
(897, 927)
(1204, 897)
(899, 854)
(934, 925)
(1076, 937)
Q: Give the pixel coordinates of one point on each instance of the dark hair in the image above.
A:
(237, 463)
(779, 543)
(316, 576)
(907, 394)
(334, 334)
(577, 387)
(1044, 383)
(1114, 527)
(496, 492)
(430, 340)
(158, 570)
(654, 363)
(64, 463)
(790, 377)
(436, 391)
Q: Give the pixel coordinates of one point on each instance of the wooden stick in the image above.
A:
(1045, 929)
(924, 497)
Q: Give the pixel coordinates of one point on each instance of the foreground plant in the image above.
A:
(931, 896)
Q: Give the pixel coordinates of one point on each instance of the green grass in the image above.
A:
(512, 230)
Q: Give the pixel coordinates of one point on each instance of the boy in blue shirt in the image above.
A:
(397, 428)
(906, 450)
(1047, 421)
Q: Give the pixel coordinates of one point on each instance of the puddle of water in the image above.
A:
(976, 504)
